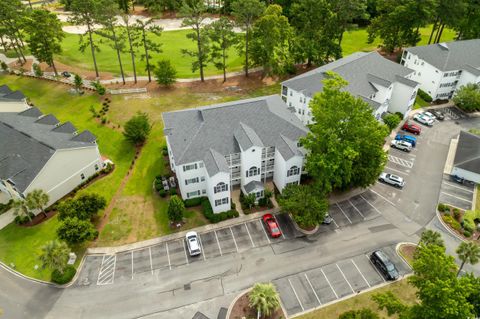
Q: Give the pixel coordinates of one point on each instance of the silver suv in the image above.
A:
(401, 145)
(391, 179)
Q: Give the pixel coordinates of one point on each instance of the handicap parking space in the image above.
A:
(124, 266)
(242, 237)
(90, 270)
(142, 261)
(226, 240)
(177, 252)
(307, 290)
(456, 194)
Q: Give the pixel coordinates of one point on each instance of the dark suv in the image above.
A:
(384, 265)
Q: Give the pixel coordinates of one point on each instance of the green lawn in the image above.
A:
(419, 103)
(172, 44)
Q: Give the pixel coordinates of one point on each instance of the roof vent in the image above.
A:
(443, 45)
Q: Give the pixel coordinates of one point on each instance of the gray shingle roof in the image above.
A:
(246, 137)
(253, 185)
(6, 94)
(66, 127)
(467, 156)
(287, 147)
(32, 112)
(215, 163)
(4, 89)
(26, 146)
(48, 119)
(361, 70)
(451, 55)
(471, 69)
(192, 133)
(85, 136)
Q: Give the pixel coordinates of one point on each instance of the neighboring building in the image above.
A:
(443, 68)
(385, 85)
(466, 163)
(12, 101)
(212, 149)
(38, 152)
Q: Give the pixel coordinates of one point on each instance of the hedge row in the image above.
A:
(67, 275)
(424, 95)
(216, 218)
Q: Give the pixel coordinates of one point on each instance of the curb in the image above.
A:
(397, 250)
(301, 230)
(229, 311)
(439, 217)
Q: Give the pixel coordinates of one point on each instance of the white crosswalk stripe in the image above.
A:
(107, 270)
(400, 161)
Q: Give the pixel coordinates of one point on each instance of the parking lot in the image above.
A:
(314, 288)
(455, 194)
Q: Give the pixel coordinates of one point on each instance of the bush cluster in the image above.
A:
(6, 206)
(99, 88)
(452, 222)
(165, 150)
(392, 120)
(20, 220)
(424, 95)
(68, 274)
(216, 218)
(443, 208)
(192, 202)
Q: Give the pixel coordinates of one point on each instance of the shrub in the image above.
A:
(165, 73)
(99, 88)
(424, 95)
(452, 222)
(216, 218)
(20, 219)
(158, 185)
(162, 192)
(468, 225)
(456, 213)
(165, 152)
(4, 66)
(173, 191)
(6, 206)
(233, 206)
(176, 208)
(67, 275)
(37, 70)
(392, 120)
(467, 233)
(442, 207)
(469, 219)
(191, 202)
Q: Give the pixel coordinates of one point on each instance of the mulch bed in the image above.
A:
(241, 309)
(40, 218)
(407, 251)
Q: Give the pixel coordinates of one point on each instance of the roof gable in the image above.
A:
(467, 155)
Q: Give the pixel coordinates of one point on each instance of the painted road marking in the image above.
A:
(396, 170)
(261, 225)
(358, 211)
(400, 161)
(234, 241)
(218, 243)
(465, 200)
(185, 251)
(360, 272)
(328, 282)
(463, 189)
(343, 275)
(343, 213)
(295, 293)
(380, 195)
(106, 274)
(201, 246)
(168, 255)
(250, 236)
(311, 286)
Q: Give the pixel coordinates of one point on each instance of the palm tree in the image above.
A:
(20, 208)
(468, 252)
(37, 199)
(430, 237)
(264, 298)
(55, 255)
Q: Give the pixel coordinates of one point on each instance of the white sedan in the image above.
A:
(391, 179)
(423, 119)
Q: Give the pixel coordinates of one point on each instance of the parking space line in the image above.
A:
(336, 225)
(132, 262)
(463, 189)
(328, 282)
(396, 170)
(380, 195)
(168, 255)
(376, 270)
(250, 236)
(261, 225)
(360, 272)
(295, 293)
(218, 243)
(233, 236)
(151, 263)
(278, 224)
(343, 213)
(185, 251)
(465, 200)
(311, 286)
(201, 246)
(343, 275)
(358, 211)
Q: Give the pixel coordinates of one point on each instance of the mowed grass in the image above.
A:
(172, 44)
(419, 103)
(402, 289)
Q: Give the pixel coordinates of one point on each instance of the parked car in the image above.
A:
(327, 220)
(66, 74)
(461, 180)
(165, 185)
(172, 182)
(401, 145)
(391, 179)
(193, 244)
(429, 114)
(412, 128)
(272, 226)
(384, 265)
(410, 139)
(423, 119)
(438, 114)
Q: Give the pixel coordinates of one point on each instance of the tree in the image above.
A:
(245, 13)
(468, 26)
(316, 39)
(165, 73)
(131, 38)
(264, 298)
(344, 12)
(441, 294)
(138, 128)
(222, 38)
(349, 153)
(45, 36)
(124, 5)
(364, 313)
(20, 209)
(271, 38)
(391, 120)
(447, 13)
(55, 255)
(194, 12)
(249, 200)
(430, 237)
(37, 199)
(468, 97)
(85, 207)
(146, 42)
(176, 208)
(77, 82)
(12, 19)
(156, 6)
(76, 231)
(468, 252)
(87, 13)
(307, 206)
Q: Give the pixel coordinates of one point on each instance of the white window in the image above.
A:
(220, 187)
(222, 201)
(191, 181)
(294, 170)
(189, 167)
(192, 194)
(204, 191)
(253, 171)
(259, 194)
(201, 164)
(202, 179)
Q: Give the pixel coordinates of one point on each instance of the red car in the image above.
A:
(412, 128)
(272, 226)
